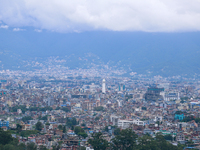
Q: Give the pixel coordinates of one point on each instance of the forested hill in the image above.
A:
(165, 54)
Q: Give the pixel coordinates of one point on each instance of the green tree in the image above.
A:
(128, 96)
(78, 129)
(106, 129)
(74, 122)
(42, 147)
(39, 126)
(44, 117)
(182, 101)
(147, 143)
(5, 137)
(97, 118)
(126, 140)
(47, 123)
(168, 137)
(45, 108)
(161, 142)
(60, 127)
(31, 146)
(83, 148)
(33, 108)
(26, 133)
(64, 129)
(83, 124)
(97, 142)
(14, 142)
(72, 127)
(197, 120)
(66, 109)
(60, 142)
(181, 146)
(83, 134)
(189, 143)
(57, 108)
(144, 108)
(99, 108)
(80, 132)
(71, 122)
(22, 107)
(56, 147)
(19, 128)
(9, 147)
(21, 146)
(116, 131)
(27, 118)
(188, 118)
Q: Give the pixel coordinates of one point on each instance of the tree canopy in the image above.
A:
(126, 140)
(79, 131)
(39, 126)
(71, 122)
(98, 142)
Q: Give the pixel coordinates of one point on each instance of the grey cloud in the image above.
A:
(116, 15)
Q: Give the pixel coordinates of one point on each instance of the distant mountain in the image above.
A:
(165, 54)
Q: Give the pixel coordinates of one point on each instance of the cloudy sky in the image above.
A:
(114, 15)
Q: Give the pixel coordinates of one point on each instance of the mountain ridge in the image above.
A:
(165, 54)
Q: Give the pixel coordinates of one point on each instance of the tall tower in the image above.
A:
(104, 86)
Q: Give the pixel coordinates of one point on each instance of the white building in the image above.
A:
(114, 119)
(171, 96)
(104, 86)
(126, 123)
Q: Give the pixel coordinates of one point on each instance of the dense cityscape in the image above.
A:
(67, 109)
(99, 75)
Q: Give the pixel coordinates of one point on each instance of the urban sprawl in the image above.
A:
(67, 109)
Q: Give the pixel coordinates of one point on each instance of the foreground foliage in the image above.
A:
(7, 142)
(128, 140)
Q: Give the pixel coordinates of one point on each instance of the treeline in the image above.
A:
(128, 140)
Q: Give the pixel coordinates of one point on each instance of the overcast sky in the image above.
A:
(114, 15)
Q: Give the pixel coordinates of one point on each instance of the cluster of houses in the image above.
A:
(61, 105)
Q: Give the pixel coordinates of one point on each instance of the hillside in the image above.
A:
(163, 54)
